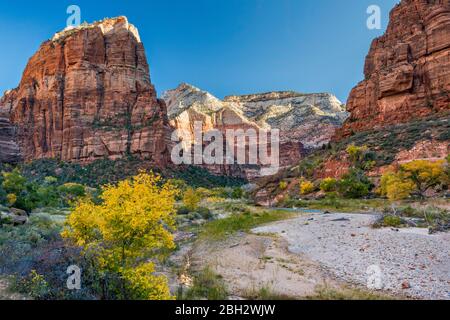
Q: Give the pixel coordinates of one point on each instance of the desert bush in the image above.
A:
(392, 221)
(283, 185)
(204, 212)
(206, 285)
(328, 185)
(238, 193)
(34, 285)
(183, 211)
(354, 185)
(306, 187)
(191, 199)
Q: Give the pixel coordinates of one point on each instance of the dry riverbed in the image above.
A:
(411, 261)
(249, 263)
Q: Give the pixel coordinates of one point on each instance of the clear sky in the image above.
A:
(222, 46)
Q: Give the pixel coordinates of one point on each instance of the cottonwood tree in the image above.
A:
(123, 233)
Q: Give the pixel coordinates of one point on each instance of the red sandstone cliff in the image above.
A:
(86, 94)
(407, 71)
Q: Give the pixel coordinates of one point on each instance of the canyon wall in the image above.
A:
(407, 71)
(85, 95)
(305, 121)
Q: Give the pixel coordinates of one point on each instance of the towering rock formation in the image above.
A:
(306, 121)
(86, 94)
(407, 71)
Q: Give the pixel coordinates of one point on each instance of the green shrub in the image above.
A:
(183, 211)
(328, 185)
(207, 285)
(392, 221)
(205, 213)
(238, 193)
(354, 185)
(69, 192)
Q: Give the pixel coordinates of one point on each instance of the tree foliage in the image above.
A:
(306, 187)
(413, 178)
(354, 185)
(328, 185)
(124, 232)
(191, 199)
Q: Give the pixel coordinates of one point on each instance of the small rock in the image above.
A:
(18, 212)
(406, 285)
(340, 219)
(18, 220)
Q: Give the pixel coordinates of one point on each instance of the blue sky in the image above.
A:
(223, 46)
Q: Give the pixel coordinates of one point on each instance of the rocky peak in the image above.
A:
(304, 120)
(107, 26)
(290, 111)
(186, 96)
(407, 70)
(87, 95)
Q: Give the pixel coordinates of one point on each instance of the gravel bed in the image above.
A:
(411, 262)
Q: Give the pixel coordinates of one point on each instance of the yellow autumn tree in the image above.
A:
(356, 153)
(424, 174)
(191, 199)
(306, 187)
(124, 232)
(395, 187)
(415, 177)
(447, 173)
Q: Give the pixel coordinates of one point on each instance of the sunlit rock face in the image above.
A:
(86, 95)
(407, 70)
(305, 121)
(307, 118)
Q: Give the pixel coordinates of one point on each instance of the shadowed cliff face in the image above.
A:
(407, 71)
(86, 94)
(9, 150)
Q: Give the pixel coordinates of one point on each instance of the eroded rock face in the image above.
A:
(86, 94)
(9, 150)
(307, 118)
(407, 71)
(306, 121)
